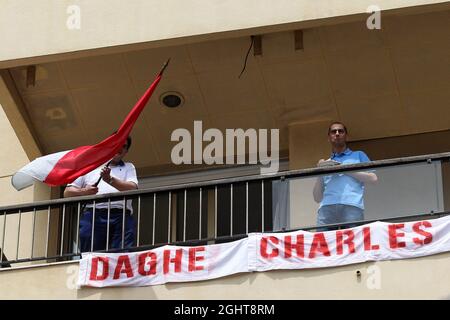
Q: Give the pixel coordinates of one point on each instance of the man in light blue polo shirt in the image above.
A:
(341, 195)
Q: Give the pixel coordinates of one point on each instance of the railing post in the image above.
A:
(138, 221)
(62, 229)
(93, 223)
(169, 218)
(200, 217)
(154, 218)
(231, 209)
(123, 221)
(77, 240)
(3, 237)
(246, 207)
(18, 234)
(107, 223)
(33, 233)
(262, 205)
(48, 231)
(184, 215)
(215, 212)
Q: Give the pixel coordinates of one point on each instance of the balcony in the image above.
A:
(41, 239)
(224, 210)
(332, 77)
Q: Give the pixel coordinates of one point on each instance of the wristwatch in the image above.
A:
(110, 180)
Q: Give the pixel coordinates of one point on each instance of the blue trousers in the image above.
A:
(338, 213)
(100, 230)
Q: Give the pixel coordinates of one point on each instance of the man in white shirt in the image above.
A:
(117, 176)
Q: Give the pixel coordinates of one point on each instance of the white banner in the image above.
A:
(164, 264)
(267, 251)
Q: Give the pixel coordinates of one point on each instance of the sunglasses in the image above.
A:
(334, 131)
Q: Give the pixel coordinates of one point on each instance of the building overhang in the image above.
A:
(49, 31)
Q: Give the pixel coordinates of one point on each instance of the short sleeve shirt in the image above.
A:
(341, 188)
(124, 171)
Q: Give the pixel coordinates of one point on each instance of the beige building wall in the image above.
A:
(396, 279)
(77, 26)
(308, 142)
(12, 158)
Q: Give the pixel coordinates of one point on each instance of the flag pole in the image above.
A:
(100, 178)
(164, 67)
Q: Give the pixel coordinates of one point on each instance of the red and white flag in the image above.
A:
(60, 168)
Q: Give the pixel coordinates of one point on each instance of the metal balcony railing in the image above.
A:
(219, 210)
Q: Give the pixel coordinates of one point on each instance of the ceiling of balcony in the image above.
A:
(381, 83)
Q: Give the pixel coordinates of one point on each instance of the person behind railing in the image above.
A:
(341, 195)
(116, 176)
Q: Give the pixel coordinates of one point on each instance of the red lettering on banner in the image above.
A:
(428, 236)
(193, 258)
(263, 245)
(393, 235)
(319, 244)
(105, 270)
(367, 242)
(176, 260)
(348, 241)
(298, 246)
(143, 262)
(123, 261)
